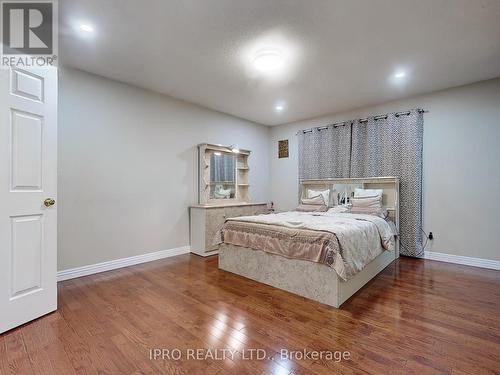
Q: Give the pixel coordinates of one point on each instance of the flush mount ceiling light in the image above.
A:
(268, 60)
(272, 57)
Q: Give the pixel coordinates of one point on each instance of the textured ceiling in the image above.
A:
(340, 53)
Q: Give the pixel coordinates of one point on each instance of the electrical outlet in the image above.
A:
(431, 236)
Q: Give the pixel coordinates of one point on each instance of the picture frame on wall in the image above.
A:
(283, 149)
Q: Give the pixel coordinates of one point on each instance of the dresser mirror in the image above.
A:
(223, 174)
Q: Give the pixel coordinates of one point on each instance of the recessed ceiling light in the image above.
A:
(268, 61)
(399, 74)
(86, 27)
(279, 107)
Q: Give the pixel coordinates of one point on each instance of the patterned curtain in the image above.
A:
(392, 146)
(388, 146)
(325, 152)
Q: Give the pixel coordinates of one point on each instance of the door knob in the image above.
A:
(49, 202)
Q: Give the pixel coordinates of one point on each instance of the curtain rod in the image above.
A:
(343, 123)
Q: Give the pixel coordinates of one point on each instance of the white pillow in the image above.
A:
(325, 193)
(318, 200)
(359, 193)
(367, 202)
(380, 212)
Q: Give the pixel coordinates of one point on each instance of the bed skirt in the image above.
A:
(307, 279)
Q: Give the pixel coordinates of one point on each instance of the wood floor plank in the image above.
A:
(18, 360)
(416, 317)
(4, 366)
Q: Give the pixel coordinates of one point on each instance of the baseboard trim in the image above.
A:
(458, 259)
(119, 263)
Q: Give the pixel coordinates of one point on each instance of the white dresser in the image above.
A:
(206, 220)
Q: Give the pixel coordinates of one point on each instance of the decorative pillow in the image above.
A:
(359, 193)
(380, 212)
(324, 193)
(317, 200)
(311, 208)
(374, 202)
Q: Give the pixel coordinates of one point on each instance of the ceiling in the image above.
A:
(339, 54)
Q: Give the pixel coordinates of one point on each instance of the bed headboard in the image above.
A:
(390, 186)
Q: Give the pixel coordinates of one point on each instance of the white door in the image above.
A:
(28, 177)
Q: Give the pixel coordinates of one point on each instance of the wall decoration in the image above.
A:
(283, 149)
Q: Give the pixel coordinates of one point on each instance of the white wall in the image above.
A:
(461, 165)
(128, 167)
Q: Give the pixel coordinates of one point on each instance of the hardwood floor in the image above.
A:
(417, 316)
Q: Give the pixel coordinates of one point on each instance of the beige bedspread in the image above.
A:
(345, 242)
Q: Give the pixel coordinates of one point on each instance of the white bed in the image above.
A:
(310, 279)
